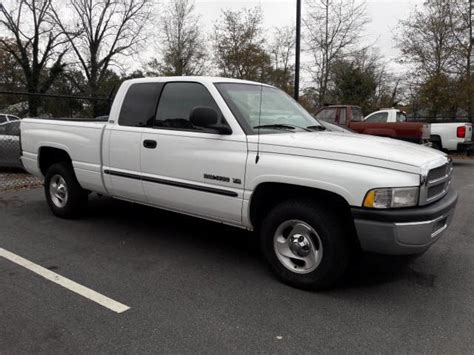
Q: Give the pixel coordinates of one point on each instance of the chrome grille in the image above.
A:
(438, 173)
(436, 184)
(436, 190)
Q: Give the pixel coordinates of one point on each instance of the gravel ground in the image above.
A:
(12, 180)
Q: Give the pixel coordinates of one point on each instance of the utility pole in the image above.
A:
(298, 50)
(471, 11)
(471, 60)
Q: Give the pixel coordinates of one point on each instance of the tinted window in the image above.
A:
(3, 119)
(13, 118)
(138, 107)
(357, 114)
(328, 115)
(178, 100)
(342, 116)
(378, 117)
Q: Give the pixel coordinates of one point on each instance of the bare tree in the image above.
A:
(101, 30)
(240, 46)
(427, 42)
(282, 47)
(33, 43)
(282, 51)
(426, 39)
(333, 30)
(461, 20)
(183, 47)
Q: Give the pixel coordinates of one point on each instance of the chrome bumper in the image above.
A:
(399, 232)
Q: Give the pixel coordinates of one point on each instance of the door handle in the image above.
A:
(149, 144)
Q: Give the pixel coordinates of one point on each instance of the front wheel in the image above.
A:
(305, 245)
(63, 193)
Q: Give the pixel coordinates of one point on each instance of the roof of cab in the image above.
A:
(199, 79)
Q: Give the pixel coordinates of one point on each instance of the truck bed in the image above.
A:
(80, 138)
(445, 135)
(407, 131)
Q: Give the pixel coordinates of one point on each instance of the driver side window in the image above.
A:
(177, 101)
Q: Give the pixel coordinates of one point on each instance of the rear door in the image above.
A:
(190, 169)
(123, 141)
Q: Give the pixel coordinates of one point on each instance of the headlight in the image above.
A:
(392, 197)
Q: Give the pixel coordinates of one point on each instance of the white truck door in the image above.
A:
(123, 141)
(188, 168)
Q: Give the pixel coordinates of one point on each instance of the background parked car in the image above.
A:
(447, 136)
(380, 123)
(10, 144)
(4, 118)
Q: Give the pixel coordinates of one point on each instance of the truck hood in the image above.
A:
(356, 148)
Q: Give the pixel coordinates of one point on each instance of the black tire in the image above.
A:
(76, 197)
(331, 233)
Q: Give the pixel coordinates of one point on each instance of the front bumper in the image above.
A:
(404, 231)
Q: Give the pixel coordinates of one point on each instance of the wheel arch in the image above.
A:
(48, 156)
(268, 194)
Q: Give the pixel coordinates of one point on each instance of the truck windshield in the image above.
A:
(266, 108)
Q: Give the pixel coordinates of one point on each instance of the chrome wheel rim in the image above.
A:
(298, 246)
(58, 191)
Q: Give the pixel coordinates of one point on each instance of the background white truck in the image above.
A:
(246, 154)
(451, 136)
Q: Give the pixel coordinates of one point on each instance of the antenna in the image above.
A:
(257, 158)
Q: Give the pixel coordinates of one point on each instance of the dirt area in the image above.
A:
(13, 180)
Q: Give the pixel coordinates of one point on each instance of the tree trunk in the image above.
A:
(33, 105)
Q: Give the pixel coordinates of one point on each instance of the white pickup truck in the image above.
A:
(246, 154)
(451, 137)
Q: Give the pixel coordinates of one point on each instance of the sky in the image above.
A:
(383, 14)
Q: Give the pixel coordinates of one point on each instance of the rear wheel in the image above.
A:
(63, 193)
(305, 245)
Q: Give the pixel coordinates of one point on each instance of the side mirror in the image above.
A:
(207, 117)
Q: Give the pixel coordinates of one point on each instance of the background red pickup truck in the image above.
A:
(378, 124)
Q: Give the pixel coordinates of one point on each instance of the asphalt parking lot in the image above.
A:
(195, 286)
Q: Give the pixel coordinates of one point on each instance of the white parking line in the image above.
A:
(66, 283)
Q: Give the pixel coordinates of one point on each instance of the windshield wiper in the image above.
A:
(317, 128)
(282, 126)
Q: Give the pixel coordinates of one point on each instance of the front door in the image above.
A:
(192, 169)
